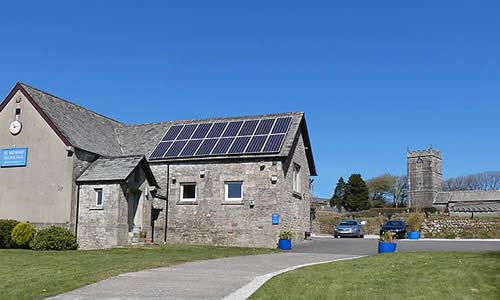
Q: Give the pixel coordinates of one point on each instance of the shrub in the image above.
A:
(22, 234)
(54, 238)
(285, 235)
(415, 220)
(387, 237)
(6, 227)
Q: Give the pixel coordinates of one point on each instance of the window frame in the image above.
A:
(226, 191)
(181, 195)
(99, 191)
(296, 178)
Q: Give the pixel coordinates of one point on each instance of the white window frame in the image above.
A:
(226, 188)
(97, 191)
(296, 178)
(195, 192)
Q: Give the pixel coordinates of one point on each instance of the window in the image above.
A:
(234, 191)
(98, 197)
(188, 191)
(420, 163)
(296, 178)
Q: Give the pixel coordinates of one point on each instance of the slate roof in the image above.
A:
(115, 169)
(477, 207)
(92, 132)
(83, 128)
(143, 138)
(467, 196)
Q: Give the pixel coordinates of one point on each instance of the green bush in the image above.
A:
(22, 234)
(54, 238)
(285, 235)
(6, 227)
(415, 221)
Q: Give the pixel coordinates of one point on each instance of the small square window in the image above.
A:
(234, 191)
(188, 191)
(98, 197)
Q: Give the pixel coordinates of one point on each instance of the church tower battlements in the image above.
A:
(425, 176)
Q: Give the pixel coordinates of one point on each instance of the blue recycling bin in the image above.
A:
(384, 247)
(414, 235)
(285, 244)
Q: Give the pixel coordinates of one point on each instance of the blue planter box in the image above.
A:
(413, 235)
(384, 247)
(285, 244)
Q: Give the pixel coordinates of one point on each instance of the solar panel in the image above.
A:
(217, 130)
(233, 128)
(274, 143)
(160, 150)
(239, 145)
(187, 132)
(172, 133)
(202, 130)
(265, 126)
(191, 148)
(175, 149)
(256, 144)
(223, 137)
(223, 145)
(281, 125)
(248, 127)
(206, 147)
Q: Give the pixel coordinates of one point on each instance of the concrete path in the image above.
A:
(234, 278)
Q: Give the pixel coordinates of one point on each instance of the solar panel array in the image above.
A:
(223, 138)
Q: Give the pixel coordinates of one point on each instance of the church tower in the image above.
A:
(425, 177)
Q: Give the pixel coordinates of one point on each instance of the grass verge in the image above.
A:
(27, 274)
(402, 275)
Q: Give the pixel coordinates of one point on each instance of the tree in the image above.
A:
(400, 191)
(489, 180)
(381, 188)
(356, 193)
(338, 198)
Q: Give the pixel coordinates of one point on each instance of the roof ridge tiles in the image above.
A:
(220, 118)
(72, 103)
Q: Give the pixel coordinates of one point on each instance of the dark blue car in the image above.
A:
(351, 228)
(396, 226)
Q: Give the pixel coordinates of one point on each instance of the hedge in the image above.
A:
(54, 238)
(6, 227)
(22, 234)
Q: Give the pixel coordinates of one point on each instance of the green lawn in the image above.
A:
(402, 275)
(26, 274)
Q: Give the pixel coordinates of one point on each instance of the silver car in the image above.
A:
(351, 228)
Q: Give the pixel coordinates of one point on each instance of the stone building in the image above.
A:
(226, 181)
(425, 181)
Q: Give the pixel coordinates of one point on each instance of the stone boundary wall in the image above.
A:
(435, 226)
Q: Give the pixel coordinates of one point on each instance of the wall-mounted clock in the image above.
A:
(15, 127)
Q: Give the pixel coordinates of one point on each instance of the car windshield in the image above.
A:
(348, 223)
(394, 223)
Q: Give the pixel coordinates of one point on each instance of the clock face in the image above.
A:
(15, 127)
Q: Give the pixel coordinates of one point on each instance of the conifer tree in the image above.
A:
(357, 194)
(338, 198)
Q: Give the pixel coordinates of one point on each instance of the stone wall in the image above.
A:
(213, 220)
(461, 227)
(100, 227)
(435, 226)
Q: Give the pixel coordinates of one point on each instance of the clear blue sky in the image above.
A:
(372, 77)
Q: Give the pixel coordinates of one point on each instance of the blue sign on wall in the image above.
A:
(276, 219)
(14, 157)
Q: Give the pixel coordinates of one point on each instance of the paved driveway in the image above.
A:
(238, 277)
(354, 246)
(209, 279)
